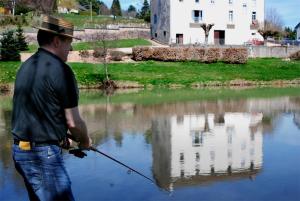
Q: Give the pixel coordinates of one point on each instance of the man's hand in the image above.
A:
(85, 145)
(77, 127)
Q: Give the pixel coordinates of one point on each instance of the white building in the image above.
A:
(205, 148)
(297, 28)
(178, 21)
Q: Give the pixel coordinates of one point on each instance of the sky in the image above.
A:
(289, 10)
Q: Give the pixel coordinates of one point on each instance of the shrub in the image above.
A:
(13, 20)
(117, 55)
(21, 43)
(99, 52)
(295, 56)
(9, 49)
(235, 55)
(198, 54)
(212, 55)
(84, 53)
(142, 53)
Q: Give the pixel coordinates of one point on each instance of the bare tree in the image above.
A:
(272, 26)
(206, 28)
(102, 53)
(274, 19)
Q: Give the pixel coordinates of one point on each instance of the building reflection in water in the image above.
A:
(199, 149)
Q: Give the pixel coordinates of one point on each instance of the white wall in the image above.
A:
(217, 13)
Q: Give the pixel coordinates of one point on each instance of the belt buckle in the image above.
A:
(25, 145)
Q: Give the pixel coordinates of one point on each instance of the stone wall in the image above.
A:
(277, 51)
(108, 34)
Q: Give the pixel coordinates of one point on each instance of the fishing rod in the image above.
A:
(79, 153)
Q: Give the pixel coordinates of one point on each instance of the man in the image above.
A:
(45, 107)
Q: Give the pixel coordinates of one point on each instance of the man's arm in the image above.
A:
(77, 127)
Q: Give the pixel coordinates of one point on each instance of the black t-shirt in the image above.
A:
(44, 87)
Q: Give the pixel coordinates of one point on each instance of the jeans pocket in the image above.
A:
(31, 172)
(53, 151)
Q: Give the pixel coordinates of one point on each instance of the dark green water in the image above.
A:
(212, 144)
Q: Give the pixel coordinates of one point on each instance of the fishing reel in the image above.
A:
(77, 152)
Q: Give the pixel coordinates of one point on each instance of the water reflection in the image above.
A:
(199, 142)
(202, 148)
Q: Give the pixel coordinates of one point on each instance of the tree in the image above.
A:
(20, 39)
(9, 49)
(95, 5)
(290, 33)
(116, 8)
(45, 6)
(103, 9)
(272, 26)
(131, 8)
(145, 9)
(206, 28)
(22, 8)
(69, 4)
(131, 11)
(145, 12)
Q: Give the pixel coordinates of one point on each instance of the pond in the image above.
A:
(196, 144)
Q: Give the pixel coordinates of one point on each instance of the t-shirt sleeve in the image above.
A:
(66, 87)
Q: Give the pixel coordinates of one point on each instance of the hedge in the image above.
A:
(207, 55)
(295, 56)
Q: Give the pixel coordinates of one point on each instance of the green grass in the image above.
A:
(186, 73)
(182, 73)
(110, 44)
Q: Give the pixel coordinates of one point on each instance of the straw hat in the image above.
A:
(57, 25)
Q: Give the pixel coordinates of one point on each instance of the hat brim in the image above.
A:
(61, 34)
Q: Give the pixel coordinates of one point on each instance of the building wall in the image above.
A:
(298, 33)
(160, 28)
(182, 21)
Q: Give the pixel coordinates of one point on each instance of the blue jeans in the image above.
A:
(44, 173)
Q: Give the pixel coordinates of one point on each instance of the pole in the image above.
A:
(91, 8)
(119, 162)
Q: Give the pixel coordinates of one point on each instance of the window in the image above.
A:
(155, 35)
(244, 5)
(230, 16)
(197, 157)
(253, 16)
(230, 1)
(197, 15)
(155, 19)
(212, 1)
(196, 1)
(165, 33)
(181, 157)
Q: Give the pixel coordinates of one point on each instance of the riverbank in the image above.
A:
(151, 74)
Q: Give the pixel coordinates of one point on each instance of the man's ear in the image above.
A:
(56, 42)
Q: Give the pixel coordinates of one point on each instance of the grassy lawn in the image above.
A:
(110, 44)
(183, 73)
